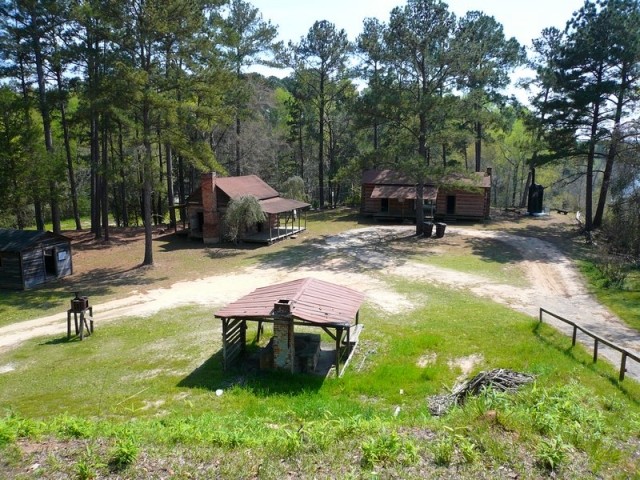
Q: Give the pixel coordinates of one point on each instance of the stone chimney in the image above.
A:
(283, 342)
(211, 217)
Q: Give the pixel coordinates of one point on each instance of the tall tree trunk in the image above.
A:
(301, 147)
(37, 207)
(46, 125)
(169, 162)
(321, 144)
(612, 153)
(67, 149)
(478, 146)
(523, 198)
(96, 181)
(238, 169)
(181, 193)
(420, 207)
(37, 204)
(104, 186)
(588, 215)
(147, 172)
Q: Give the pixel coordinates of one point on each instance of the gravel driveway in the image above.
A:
(346, 259)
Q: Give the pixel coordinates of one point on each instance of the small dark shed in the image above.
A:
(29, 258)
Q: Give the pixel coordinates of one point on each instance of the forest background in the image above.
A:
(111, 110)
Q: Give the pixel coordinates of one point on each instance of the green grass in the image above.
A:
(624, 302)
(148, 384)
(138, 398)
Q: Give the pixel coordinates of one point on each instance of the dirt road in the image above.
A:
(346, 259)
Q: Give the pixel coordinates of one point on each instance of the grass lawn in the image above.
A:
(138, 399)
(152, 382)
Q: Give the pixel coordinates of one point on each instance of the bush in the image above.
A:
(242, 213)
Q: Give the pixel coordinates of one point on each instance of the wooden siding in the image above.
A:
(33, 269)
(10, 271)
(468, 204)
(27, 269)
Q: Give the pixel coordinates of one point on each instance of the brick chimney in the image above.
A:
(211, 217)
(489, 171)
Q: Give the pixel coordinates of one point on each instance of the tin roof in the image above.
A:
(312, 300)
(18, 240)
(403, 191)
(279, 205)
(236, 187)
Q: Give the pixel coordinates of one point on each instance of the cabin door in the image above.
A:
(451, 204)
(50, 264)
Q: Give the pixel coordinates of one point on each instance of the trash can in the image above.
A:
(427, 229)
(440, 228)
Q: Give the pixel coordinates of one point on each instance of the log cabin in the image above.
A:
(391, 195)
(207, 205)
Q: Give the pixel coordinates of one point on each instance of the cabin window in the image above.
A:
(384, 204)
(451, 204)
(50, 264)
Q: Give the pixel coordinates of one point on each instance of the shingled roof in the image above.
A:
(18, 240)
(312, 300)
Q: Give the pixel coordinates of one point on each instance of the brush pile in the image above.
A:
(500, 379)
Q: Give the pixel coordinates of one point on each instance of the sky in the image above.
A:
(523, 19)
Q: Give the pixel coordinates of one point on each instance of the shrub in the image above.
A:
(388, 449)
(550, 453)
(124, 454)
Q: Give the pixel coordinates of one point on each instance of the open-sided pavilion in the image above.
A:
(304, 302)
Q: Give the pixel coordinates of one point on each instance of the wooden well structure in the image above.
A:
(304, 302)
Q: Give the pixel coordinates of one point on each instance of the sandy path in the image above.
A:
(554, 285)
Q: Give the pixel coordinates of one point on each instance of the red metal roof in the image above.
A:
(312, 300)
(279, 205)
(405, 192)
(236, 187)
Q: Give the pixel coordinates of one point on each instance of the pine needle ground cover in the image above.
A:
(141, 399)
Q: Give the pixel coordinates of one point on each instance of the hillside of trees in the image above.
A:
(113, 109)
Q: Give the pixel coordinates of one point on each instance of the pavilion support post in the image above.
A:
(338, 341)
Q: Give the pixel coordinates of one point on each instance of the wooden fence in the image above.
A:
(597, 340)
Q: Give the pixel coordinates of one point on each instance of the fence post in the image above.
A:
(540, 315)
(575, 331)
(623, 365)
(595, 350)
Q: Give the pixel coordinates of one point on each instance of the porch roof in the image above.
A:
(280, 205)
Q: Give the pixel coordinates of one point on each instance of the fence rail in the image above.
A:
(597, 339)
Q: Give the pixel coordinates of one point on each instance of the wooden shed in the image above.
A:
(306, 302)
(29, 258)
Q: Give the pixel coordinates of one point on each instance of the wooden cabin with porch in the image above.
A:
(29, 258)
(391, 195)
(207, 205)
(306, 302)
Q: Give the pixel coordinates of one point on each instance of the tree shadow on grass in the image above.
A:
(494, 250)
(57, 294)
(247, 375)
(358, 252)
